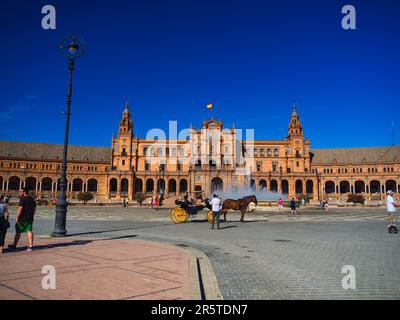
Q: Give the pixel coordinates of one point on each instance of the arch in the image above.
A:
(161, 185)
(329, 187)
(359, 186)
(273, 186)
(1, 182)
(30, 183)
(183, 185)
(113, 185)
(262, 184)
(14, 183)
(299, 187)
(77, 184)
(46, 184)
(262, 152)
(309, 186)
(255, 152)
(59, 184)
(124, 185)
(390, 185)
(149, 185)
(92, 185)
(276, 152)
(344, 187)
(138, 185)
(375, 186)
(216, 184)
(269, 152)
(285, 186)
(172, 185)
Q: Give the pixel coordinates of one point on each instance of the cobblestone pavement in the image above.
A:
(271, 256)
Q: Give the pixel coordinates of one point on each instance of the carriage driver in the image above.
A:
(216, 204)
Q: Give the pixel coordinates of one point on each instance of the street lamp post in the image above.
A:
(72, 47)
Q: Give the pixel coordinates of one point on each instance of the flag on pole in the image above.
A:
(209, 106)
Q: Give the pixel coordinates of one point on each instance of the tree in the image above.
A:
(85, 196)
(139, 197)
(356, 198)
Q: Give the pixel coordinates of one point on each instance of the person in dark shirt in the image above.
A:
(24, 219)
(293, 206)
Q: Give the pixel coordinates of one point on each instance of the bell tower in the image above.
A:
(294, 130)
(122, 145)
(297, 147)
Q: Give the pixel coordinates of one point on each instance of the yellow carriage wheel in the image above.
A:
(179, 215)
(173, 216)
(209, 216)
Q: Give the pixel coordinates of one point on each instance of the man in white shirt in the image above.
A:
(391, 206)
(216, 205)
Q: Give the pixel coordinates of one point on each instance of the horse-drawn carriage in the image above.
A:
(185, 209)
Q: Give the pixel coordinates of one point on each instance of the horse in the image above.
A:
(240, 204)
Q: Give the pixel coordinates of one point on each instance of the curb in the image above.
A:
(203, 283)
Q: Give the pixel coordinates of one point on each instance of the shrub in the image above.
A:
(85, 196)
(356, 198)
(139, 197)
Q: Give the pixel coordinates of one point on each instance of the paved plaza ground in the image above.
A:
(271, 256)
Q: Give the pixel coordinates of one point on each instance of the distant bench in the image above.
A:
(344, 204)
(373, 203)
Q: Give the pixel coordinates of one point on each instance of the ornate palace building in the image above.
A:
(206, 159)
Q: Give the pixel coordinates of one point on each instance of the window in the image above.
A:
(297, 164)
(289, 170)
(274, 166)
(146, 166)
(123, 162)
(145, 151)
(276, 152)
(262, 152)
(258, 166)
(178, 166)
(167, 151)
(181, 152)
(255, 152)
(159, 152)
(269, 152)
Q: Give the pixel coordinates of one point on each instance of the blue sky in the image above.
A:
(251, 59)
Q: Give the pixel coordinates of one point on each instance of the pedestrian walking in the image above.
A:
(293, 206)
(216, 205)
(391, 206)
(156, 203)
(326, 205)
(4, 224)
(280, 204)
(24, 219)
(303, 202)
(151, 202)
